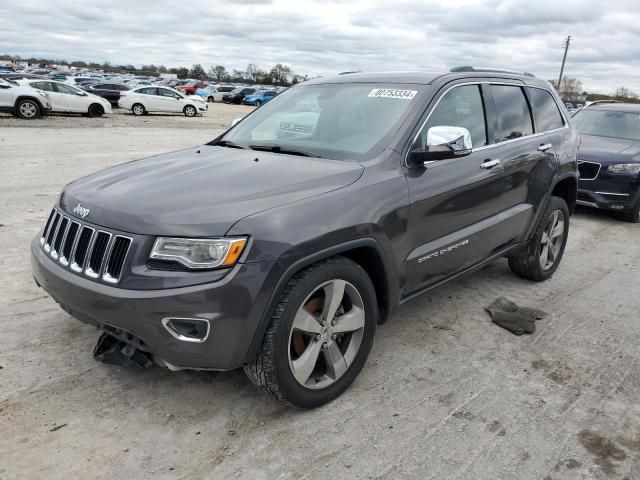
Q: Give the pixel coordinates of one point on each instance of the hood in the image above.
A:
(606, 150)
(201, 191)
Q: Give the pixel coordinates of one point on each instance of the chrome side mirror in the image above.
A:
(235, 121)
(443, 142)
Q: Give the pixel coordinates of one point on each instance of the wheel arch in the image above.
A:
(366, 252)
(30, 97)
(566, 187)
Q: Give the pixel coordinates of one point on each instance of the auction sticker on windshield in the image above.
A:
(393, 93)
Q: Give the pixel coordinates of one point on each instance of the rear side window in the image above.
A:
(545, 110)
(512, 110)
(147, 91)
(460, 107)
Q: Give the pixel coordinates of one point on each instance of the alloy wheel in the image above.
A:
(28, 110)
(326, 334)
(552, 240)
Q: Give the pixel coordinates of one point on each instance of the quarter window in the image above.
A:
(460, 107)
(512, 110)
(545, 110)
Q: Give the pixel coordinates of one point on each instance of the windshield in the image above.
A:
(340, 121)
(608, 123)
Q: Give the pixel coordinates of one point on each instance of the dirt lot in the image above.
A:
(445, 395)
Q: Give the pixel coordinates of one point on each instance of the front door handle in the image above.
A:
(544, 147)
(490, 163)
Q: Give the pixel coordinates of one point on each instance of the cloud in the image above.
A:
(324, 37)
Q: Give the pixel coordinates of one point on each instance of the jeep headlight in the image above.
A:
(625, 168)
(198, 253)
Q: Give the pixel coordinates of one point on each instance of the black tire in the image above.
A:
(190, 111)
(95, 110)
(528, 263)
(271, 370)
(258, 103)
(633, 215)
(28, 109)
(138, 109)
(210, 100)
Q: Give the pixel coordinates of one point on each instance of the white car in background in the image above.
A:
(144, 100)
(68, 99)
(22, 100)
(219, 92)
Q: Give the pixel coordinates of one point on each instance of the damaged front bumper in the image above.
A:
(232, 308)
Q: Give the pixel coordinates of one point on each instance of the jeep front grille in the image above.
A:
(98, 254)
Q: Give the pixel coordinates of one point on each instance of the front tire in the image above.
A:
(633, 215)
(320, 335)
(28, 109)
(210, 100)
(190, 111)
(258, 103)
(95, 110)
(544, 252)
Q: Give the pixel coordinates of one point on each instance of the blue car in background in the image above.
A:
(259, 97)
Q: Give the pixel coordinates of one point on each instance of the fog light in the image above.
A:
(187, 329)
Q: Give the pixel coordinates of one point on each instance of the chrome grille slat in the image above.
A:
(52, 232)
(63, 224)
(69, 240)
(97, 254)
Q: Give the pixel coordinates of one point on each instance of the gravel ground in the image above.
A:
(445, 395)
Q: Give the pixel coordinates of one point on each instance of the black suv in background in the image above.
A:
(236, 96)
(110, 91)
(609, 158)
(281, 255)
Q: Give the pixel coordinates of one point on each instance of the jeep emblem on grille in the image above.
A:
(81, 211)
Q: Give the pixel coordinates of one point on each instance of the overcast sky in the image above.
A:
(325, 37)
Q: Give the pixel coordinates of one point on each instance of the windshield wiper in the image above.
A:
(283, 150)
(228, 144)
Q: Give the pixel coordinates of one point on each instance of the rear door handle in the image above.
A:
(490, 163)
(544, 147)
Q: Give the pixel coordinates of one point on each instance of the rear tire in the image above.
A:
(258, 103)
(138, 109)
(544, 251)
(28, 109)
(95, 110)
(190, 111)
(320, 335)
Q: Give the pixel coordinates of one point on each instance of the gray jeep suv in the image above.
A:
(281, 254)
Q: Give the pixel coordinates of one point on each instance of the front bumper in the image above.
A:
(233, 306)
(610, 191)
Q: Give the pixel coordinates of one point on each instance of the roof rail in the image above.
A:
(598, 102)
(467, 68)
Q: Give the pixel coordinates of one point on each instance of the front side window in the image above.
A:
(545, 110)
(164, 92)
(512, 110)
(608, 123)
(348, 121)
(460, 107)
(66, 89)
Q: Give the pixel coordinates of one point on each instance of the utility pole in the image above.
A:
(564, 59)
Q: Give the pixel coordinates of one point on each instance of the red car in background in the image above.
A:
(191, 87)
